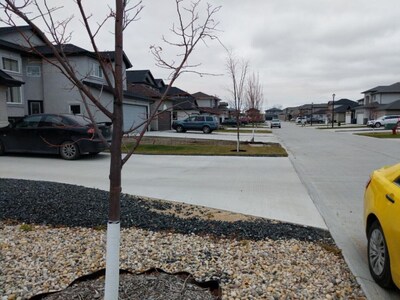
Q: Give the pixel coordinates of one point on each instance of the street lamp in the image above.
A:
(312, 108)
(333, 109)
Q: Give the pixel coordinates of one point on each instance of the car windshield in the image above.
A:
(275, 120)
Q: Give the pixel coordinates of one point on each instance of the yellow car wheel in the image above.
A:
(378, 256)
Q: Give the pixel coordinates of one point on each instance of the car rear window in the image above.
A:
(210, 119)
(78, 120)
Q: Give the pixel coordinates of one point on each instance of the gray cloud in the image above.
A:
(304, 50)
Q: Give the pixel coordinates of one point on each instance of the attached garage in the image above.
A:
(360, 118)
(134, 115)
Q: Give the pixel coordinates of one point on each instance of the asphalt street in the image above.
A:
(335, 167)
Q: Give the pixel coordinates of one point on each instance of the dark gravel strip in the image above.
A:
(58, 204)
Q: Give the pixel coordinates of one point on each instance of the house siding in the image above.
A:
(62, 94)
(16, 38)
(3, 107)
(33, 87)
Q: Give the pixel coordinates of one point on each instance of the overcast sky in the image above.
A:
(303, 50)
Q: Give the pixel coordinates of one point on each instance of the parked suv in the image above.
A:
(382, 121)
(202, 122)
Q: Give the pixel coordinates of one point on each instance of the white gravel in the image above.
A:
(36, 259)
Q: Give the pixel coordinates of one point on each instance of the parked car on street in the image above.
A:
(314, 120)
(300, 120)
(204, 123)
(63, 134)
(382, 225)
(384, 120)
(230, 122)
(275, 123)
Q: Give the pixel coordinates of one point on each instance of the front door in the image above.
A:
(35, 107)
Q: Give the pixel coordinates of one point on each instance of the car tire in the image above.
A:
(69, 150)
(1, 148)
(377, 125)
(378, 256)
(179, 128)
(206, 129)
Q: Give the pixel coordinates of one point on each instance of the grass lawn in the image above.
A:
(381, 135)
(230, 130)
(183, 146)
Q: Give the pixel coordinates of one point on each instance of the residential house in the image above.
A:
(379, 101)
(46, 89)
(211, 105)
(273, 113)
(143, 83)
(184, 104)
(343, 111)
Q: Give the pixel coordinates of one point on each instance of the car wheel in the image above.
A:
(206, 129)
(69, 150)
(378, 256)
(377, 125)
(179, 128)
(1, 148)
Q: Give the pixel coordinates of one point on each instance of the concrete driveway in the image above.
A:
(263, 186)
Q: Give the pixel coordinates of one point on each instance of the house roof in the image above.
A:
(174, 91)
(273, 110)
(201, 95)
(145, 90)
(127, 94)
(395, 105)
(7, 80)
(14, 47)
(73, 50)
(140, 76)
(12, 29)
(185, 103)
(159, 82)
(394, 88)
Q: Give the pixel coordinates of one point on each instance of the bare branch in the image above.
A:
(188, 35)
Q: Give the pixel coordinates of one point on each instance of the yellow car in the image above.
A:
(382, 224)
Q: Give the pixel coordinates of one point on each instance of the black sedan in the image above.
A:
(63, 134)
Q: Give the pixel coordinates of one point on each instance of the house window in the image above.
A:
(13, 95)
(75, 109)
(97, 71)
(10, 64)
(33, 71)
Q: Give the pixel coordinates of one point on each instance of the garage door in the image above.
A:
(134, 115)
(164, 120)
(360, 118)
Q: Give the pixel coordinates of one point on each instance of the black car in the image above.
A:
(63, 134)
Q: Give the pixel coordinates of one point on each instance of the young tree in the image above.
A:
(237, 71)
(254, 93)
(189, 32)
(254, 99)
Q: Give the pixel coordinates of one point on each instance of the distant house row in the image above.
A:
(30, 84)
(377, 102)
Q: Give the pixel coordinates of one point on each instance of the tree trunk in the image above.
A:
(113, 226)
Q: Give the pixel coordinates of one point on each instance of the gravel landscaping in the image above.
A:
(51, 234)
